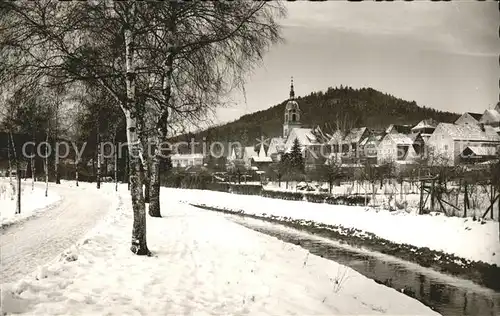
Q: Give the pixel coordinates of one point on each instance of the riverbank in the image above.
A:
(479, 272)
(202, 263)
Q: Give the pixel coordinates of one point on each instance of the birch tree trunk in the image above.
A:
(18, 175)
(76, 170)
(56, 160)
(154, 198)
(116, 161)
(146, 177)
(33, 167)
(139, 244)
(10, 166)
(98, 179)
(47, 163)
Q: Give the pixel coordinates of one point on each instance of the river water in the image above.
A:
(445, 294)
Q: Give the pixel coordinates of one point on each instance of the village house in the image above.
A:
(276, 148)
(352, 151)
(370, 146)
(313, 145)
(261, 161)
(396, 148)
(452, 144)
(248, 154)
(469, 118)
(425, 128)
(186, 160)
(491, 117)
(399, 129)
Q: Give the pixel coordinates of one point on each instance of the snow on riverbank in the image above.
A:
(32, 202)
(202, 264)
(462, 237)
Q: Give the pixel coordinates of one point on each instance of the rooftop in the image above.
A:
(468, 132)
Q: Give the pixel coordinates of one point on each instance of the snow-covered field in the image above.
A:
(32, 202)
(203, 264)
(462, 237)
(407, 195)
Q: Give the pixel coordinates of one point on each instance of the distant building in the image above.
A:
(449, 141)
(491, 117)
(469, 118)
(425, 128)
(186, 160)
(292, 114)
(352, 149)
(399, 129)
(396, 148)
(261, 160)
(369, 146)
(248, 154)
(276, 148)
(313, 145)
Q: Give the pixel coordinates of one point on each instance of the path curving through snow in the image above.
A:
(38, 240)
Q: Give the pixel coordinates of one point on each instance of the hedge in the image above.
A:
(283, 195)
(250, 189)
(204, 182)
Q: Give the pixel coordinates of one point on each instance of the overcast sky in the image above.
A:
(442, 55)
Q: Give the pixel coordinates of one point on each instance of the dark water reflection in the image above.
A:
(445, 294)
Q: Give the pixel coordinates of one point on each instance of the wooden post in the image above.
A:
(401, 188)
(433, 194)
(466, 199)
(492, 200)
(421, 211)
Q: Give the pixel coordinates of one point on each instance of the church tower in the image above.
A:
(292, 114)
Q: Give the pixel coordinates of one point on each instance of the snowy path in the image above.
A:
(38, 240)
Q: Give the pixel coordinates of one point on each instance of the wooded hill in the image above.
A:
(342, 106)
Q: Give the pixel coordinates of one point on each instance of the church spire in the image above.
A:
(292, 93)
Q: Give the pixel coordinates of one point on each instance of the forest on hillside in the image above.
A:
(340, 107)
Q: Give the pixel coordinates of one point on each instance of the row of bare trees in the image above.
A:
(165, 65)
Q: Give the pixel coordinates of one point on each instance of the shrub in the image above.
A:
(284, 195)
(357, 200)
(316, 198)
(251, 189)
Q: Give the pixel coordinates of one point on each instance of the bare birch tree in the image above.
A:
(175, 59)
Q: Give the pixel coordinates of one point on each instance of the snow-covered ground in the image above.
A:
(407, 195)
(203, 264)
(39, 239)
(462, 237)
(32, 202)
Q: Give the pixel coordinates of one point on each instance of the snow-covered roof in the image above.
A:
(403, 129)
(414, 136)
(482, 151)
(354, 135)
(262, 155)
(428, 123)
(336, 138)
(400, 139)
(262, 159)
(249, 152)
(277, 144)
(490, 116)
(235, 152)
(476, 116)
(467, 132)
(304, 135)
